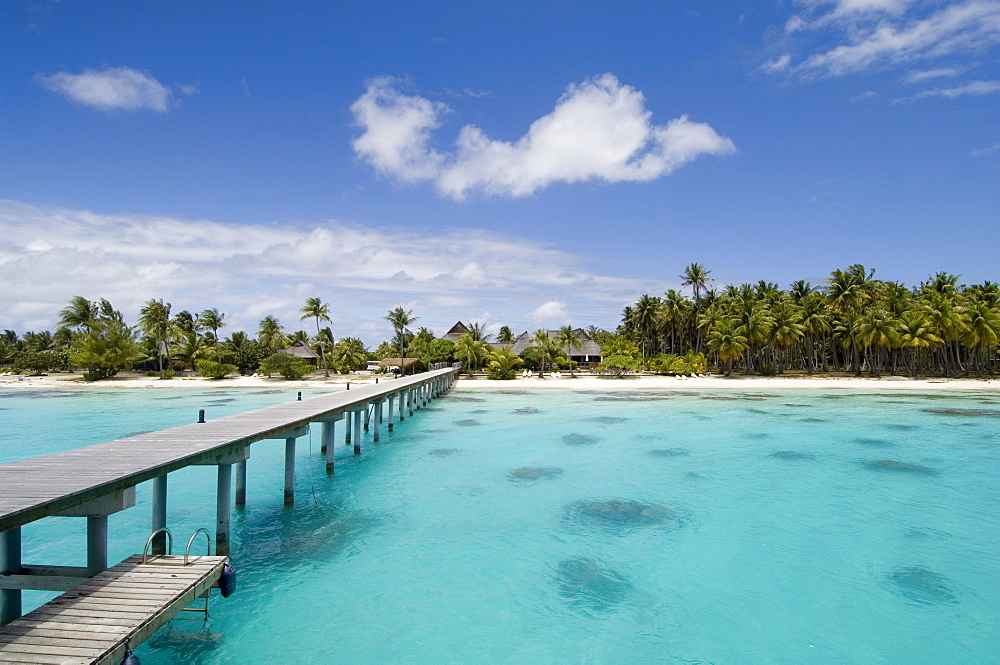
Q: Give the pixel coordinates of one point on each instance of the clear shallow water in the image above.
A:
(781, 527)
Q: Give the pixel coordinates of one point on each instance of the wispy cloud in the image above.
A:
(849, 36)
(48, 255)
(599, 130)
(995, 148)
(113, 89)
(919, 76)
(973, 88)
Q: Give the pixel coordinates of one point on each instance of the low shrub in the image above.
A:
(213, 370)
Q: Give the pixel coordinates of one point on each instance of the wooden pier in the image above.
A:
(99, 480)
(99, 620)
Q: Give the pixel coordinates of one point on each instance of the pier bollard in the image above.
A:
(327, 438)
(357, 432)
(10, 563)
(224, 489)
(290, 472)
(160, 513)
(241, 483)
(201, 416)
(300, 397)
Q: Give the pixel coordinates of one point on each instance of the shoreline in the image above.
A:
(565, 382)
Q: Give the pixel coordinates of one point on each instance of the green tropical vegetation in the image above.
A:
(853, 324)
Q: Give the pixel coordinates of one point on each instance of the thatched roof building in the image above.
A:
(412, 364)
(300, 349)
(456, 331)
(589, 351)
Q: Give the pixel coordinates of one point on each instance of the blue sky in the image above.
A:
(523, 164)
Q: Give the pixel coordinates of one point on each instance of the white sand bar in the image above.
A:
(565, 381)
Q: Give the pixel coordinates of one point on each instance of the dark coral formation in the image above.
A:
(923, 585)
(535, 472)
(588, 583)
(895, 465)
(622, 512)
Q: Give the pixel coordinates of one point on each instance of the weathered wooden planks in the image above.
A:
(97, 621)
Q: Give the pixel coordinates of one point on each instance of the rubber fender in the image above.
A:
(227, 582)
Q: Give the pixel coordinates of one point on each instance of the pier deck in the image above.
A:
(49, 485)
(98, 620)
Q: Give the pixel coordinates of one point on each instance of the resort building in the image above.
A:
(586, 355)
(456, 331)
(301, 350)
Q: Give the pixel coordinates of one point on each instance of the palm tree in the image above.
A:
(471, 350)
(348, 354)
(505, 336)
(317, 309)
(478, 331)
(79, 314)
(502, 363)
(399, 318)
(154, 321)
(568, 340)
(697, 277)
(726, 340)
(213, 320)
(270, 333)
(646, 315)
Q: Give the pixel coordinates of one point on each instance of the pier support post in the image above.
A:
(391, 399)
(327, 438)
(159, 514)
(409, 400)
(10, 564)
(367, 417)
(357, 432)
(241, 483)
(290, 471)
(222, 500)
(378, 418)
(97, 544)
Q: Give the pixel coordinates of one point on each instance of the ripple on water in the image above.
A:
(922, 585)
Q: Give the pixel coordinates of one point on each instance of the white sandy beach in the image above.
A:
(584, 382)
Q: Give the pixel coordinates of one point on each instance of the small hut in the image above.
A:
(456, 331)
(301, 350)
(411, 364)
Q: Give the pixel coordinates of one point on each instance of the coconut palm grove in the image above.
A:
(854, 323)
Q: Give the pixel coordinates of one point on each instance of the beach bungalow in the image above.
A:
(412, 365)
(301, 350)
(586, 355)
(456, 331)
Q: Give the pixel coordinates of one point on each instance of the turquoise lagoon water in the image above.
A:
(583, 527)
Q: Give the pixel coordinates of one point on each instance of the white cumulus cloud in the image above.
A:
(599, 130)
(112, 89)
(552, 312)
(48, 255)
